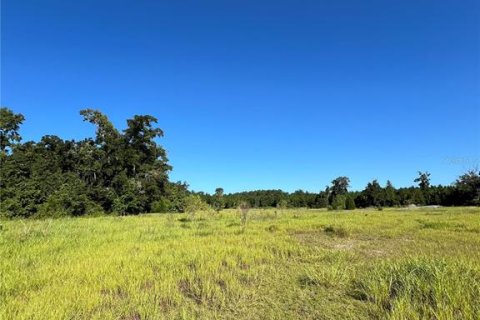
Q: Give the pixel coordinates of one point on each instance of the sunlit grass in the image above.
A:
(289, 264)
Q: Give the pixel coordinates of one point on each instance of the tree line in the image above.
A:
(465, 191)
(126, 172)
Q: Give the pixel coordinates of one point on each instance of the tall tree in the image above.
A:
(106, 132)
(468, 188)
(372, 195)
(140, 138)
(423, 180)
(9, 126)
(391, 198)
(340, 186)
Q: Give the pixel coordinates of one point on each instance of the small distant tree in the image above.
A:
(423, 180)
(374, 194)
(340, 186)
(350, 203)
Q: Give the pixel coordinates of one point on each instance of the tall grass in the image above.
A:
(421, 289)
(299, 264)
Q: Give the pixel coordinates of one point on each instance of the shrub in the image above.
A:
(161, 206)
(9, 208)
(129, 203)
(67, 203)
(194, 203)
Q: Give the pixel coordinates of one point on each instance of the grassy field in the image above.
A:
(292, 264)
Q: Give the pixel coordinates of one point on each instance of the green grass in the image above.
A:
(290, 264)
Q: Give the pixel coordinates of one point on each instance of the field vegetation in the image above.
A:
(421, 263)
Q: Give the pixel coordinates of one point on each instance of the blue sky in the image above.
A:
(258, 94)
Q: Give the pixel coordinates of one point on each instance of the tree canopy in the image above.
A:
(127, 172)
(117, 171)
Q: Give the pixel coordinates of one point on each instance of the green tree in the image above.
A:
(176, 193)
(390, 198)
(372, 195)
(69, 200)
(9, 126)
(339, 202)
(298, 199)
(124, 173)
(467, 188)
(423, 180)
(350, 203)
(340, 186)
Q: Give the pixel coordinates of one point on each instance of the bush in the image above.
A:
(67, 203)
(194, 203)
(161, 206)
(10, 208)
(129, 203)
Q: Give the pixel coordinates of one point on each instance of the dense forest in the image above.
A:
(126, 172)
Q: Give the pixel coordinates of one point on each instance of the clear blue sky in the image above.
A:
(259, 94)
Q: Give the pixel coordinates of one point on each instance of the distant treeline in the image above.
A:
(464, 192)
(126, 172)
